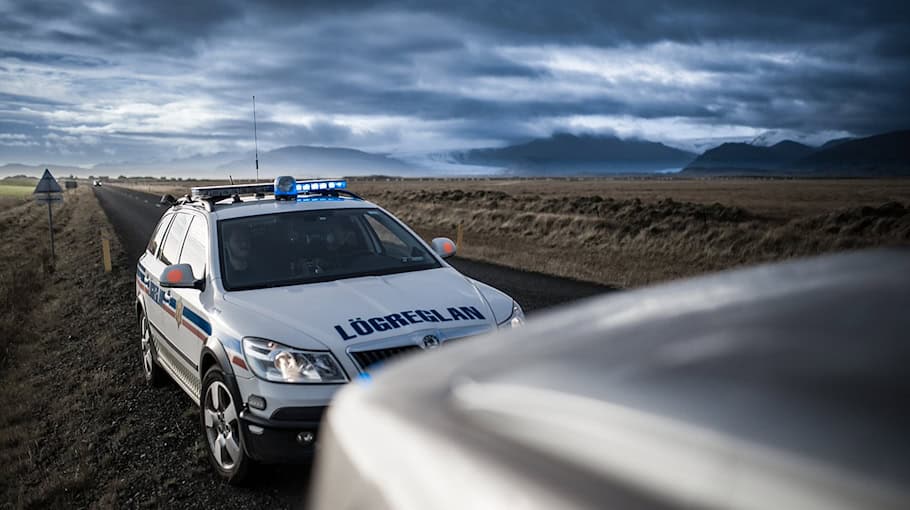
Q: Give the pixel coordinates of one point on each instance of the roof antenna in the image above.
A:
(256, 138)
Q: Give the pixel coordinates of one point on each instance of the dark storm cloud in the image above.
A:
(18, 100)
(316, 133)
(639, 22)
(121, 26)
(405, 75)
(56, 59)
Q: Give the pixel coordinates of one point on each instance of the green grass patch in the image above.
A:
(7, 190)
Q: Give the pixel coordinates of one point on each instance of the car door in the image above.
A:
(168, 255)
(192, 324)
(150, 268)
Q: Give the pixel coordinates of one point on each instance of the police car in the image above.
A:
(262, 300)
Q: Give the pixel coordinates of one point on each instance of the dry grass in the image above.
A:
(774, 198)
(635, 232)
(8, 202)
(631, 232)
(44, 390)
(79, 428)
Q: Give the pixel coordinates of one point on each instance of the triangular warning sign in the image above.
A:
(47, 184)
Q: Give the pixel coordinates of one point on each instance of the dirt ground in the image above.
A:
(630, 232)
(79, 428)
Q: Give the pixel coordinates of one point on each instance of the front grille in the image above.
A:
(366, 358)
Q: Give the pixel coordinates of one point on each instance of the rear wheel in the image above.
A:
(219, 418)
(154, 375)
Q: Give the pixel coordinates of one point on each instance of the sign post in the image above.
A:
(48, 191)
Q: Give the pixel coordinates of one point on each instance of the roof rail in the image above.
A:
(215, 193)
(192, 202)
(168, 200)
(335, 193)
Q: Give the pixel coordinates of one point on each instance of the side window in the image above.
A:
(170, 250)
(194, 248)
(159, 233)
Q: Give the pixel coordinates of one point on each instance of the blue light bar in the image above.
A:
(319, 199)
(285, 188)
(318, 186)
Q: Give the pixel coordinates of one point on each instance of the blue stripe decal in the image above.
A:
(197, 320)
(189, 314)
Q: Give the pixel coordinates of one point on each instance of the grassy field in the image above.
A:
(15, 191)
(7, 190)
(632, 232)
(28, 313)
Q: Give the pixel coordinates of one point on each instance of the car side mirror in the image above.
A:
(444, 247)
(180, 276)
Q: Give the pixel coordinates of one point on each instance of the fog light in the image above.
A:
(306, 438)
(256, 402)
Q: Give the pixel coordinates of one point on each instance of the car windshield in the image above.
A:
(315, 246)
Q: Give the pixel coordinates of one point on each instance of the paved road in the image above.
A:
(134, 215)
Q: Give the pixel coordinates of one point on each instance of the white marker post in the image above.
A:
(49, 191)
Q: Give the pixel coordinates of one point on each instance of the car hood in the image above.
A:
(357, 310)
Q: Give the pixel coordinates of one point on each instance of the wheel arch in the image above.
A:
(139, 310)
(213, 353)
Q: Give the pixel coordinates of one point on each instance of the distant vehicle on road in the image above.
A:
(261, 301)
(96, 182)
(782, 386)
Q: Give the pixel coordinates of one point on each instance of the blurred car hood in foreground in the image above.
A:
(782, 386)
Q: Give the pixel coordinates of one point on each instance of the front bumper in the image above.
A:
(270, 434)
(275, 440)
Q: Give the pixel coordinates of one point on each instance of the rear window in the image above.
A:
(194, 248)
(170, 250)
(158, 234)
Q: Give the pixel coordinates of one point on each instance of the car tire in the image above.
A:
(219, 419)
(154, 374)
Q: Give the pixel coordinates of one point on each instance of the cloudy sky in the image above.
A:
(84, 82)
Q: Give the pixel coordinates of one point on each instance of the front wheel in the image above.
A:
(221, 428)
(154, 374)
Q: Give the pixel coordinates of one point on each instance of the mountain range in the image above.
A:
(878, 155)
(561, 154)
(293, 160)
(564, 153)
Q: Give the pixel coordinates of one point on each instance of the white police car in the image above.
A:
(261, 301)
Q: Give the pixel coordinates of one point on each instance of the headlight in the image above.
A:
(275, 362)
(517, 319)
